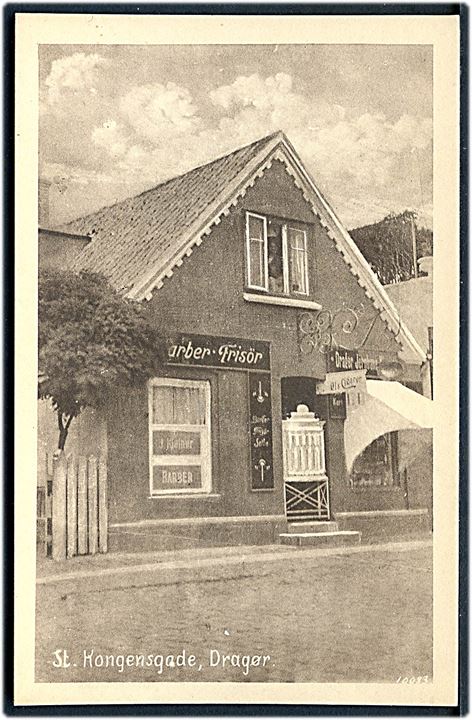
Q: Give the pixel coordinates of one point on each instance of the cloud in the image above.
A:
(273, 103)
(110, 136)
(368, 164)
(157, 111)
(77, 72)
(254, 90)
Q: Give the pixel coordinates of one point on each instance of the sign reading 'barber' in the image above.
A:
(218, 352)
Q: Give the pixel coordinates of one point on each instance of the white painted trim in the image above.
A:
(329, 533)
(351, 253)
(248, 251)
(230, 195)
(194, 496)
(279, 148)
(203, 461)
(217, 520)
(382, 513)
(283, 301)
(305, 264)
(285, 260)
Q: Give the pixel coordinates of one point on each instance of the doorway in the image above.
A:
(306, 486)
(298, 391)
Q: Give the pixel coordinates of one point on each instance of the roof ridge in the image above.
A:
(264, 139)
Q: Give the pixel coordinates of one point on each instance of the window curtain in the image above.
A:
(178, 405)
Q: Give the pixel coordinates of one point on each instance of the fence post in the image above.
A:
(82, 545)
(102, 507)
(59, 507)
(49, 476)
(71, 507)
(92, 505)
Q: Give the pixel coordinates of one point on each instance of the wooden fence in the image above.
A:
(72, 514)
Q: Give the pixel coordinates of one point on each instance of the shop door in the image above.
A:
(305, 481)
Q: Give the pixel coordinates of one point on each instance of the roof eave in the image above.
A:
(202, 225)
(145, 285)
(372, 281)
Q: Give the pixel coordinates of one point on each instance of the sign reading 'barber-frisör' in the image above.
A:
(218, 352)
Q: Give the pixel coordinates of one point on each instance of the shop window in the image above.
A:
(277, 256)
(179, 436)
(377, 465)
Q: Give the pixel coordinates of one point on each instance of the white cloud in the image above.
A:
(254, 90)
(157, 111)
(368, 164)
(272, 103)
(74, 73)
(366, 157)
(110, 136)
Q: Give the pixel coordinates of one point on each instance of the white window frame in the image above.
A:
(203, 461)
(285, 260)
(305, 255)
(248, 252)
(287, 292)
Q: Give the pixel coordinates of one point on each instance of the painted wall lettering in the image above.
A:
(260, 428)
(219, 352)
(175, 442)
(176, 477)
(339, 360)
(337, 406)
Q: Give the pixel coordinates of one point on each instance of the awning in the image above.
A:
(387, 406)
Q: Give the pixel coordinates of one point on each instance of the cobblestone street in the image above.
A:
(345, 617)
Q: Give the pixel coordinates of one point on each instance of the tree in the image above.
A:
(388, 246)
(91, 341)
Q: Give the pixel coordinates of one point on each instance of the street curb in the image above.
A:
(205, 569)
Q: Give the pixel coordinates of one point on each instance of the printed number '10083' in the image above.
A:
(411, 680)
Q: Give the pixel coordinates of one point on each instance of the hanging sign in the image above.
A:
(339, 382)
(260, 429)
(218, 352)
(371, 361)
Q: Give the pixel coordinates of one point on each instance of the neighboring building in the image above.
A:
(414, 301)
(253, 279)
(58, 249)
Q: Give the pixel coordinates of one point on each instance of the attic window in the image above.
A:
(277, 256)
(256, 238)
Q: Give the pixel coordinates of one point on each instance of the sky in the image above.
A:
(115, 120)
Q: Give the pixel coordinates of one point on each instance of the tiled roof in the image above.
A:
(130, 237)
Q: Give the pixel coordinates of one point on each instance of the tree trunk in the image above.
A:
(63, 428)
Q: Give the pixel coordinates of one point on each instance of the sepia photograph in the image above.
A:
(236, 388)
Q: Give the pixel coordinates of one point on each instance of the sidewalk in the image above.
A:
(186, 565)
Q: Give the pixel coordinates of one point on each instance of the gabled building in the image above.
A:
(278, 335)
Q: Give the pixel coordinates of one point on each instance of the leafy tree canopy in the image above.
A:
(388, 246)
(91, 341)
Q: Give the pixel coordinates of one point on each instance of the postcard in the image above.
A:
(237, 377)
